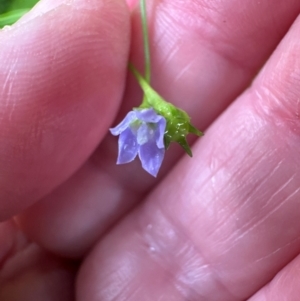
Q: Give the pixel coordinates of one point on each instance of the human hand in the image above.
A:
(220, 226)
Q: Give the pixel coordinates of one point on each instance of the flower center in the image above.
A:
(143, 131)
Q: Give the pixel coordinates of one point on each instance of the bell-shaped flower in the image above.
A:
(142, 133)
(178, 121)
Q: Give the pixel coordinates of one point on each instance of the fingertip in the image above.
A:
(63, 73)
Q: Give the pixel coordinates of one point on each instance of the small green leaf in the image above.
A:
(4, 5)
(12, 10)
(12, 16)
(17, 4)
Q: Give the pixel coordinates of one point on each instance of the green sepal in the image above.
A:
(178, 121)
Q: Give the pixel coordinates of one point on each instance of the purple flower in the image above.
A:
(142, 132)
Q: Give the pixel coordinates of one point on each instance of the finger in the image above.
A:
(132, 3)
(220, 226)
(61, 82)
(215, 61)
(206, 54)
(29, 273)
(285, 285)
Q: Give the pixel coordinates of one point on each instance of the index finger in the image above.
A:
(62, 77)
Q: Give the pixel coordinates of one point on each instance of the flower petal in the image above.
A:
(128, 147)
(148, 115)
(123, 125)
(151, 157)
(145, 133)
(160, 133)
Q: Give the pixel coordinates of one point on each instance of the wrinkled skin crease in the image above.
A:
(220, 226)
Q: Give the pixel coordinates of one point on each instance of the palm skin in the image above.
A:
(223, 225)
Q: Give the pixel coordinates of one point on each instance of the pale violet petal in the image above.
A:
(145, 133)
(151, 157)
(160, 133)
(123, 125)
(128, 147)
(148, 115)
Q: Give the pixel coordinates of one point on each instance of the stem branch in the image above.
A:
(146, 40)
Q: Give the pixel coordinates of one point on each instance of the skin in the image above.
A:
(223, 225)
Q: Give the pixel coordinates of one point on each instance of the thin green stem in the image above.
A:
(146, 40)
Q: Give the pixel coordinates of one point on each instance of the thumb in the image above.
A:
(61, 80)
